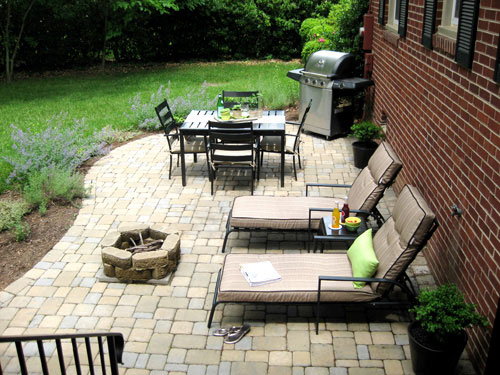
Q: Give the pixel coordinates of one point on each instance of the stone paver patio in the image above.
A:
(164, 326)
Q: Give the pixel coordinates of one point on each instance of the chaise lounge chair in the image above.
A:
(256, 213)
(316, 278)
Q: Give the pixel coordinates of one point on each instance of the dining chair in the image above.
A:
(231, 146)
(192, 145)
(231, 98)
(272, 144)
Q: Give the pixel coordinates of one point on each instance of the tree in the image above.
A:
(11, 43)
(128, 9)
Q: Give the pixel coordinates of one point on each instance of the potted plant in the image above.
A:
(438, 337)
(366, 132)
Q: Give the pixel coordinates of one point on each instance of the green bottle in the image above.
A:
(220, 106)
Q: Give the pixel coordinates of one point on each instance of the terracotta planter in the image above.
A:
(362, 153)
(429, 361)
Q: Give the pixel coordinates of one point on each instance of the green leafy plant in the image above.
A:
(11, 213)
(443, 312)
(21, 231)
(50, 185)
(367, 131)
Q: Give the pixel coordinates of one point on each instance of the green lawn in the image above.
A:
(102, 98)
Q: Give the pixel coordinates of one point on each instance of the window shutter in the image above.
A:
(403, 17)
(430, 7)
(466, 34)
(381, 12)
(496, 77)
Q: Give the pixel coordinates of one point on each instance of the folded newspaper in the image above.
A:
(260, 273)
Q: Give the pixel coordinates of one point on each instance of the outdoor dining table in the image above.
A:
(271, 123)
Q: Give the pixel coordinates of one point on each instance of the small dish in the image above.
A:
(332, 228)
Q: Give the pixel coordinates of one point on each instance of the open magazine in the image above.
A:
(260, 273)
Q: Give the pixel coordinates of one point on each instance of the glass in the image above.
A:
(245, 107)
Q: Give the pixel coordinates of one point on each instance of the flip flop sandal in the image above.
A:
(226, 331)
(234, 337)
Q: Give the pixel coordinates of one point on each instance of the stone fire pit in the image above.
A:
(140, 253)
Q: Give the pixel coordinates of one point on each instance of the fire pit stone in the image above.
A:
(140, 253)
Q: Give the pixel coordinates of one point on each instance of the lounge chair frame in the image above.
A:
(402, 281)
(375, 213)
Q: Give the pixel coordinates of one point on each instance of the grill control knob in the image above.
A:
(307, 80)
(315, 82)
(322, 83)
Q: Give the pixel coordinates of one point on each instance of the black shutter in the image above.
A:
(430, 7)
(381, 12)
(403, 17)
(496, 77)
(466, 35)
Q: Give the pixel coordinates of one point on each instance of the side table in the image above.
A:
(325, 233)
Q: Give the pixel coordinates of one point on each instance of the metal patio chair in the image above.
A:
(237, 97)
(192, 145)
(272, 144)
(231, 146)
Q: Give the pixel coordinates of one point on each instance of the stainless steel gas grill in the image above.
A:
(326, 77)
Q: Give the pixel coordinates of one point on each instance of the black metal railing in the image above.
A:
(115, 345)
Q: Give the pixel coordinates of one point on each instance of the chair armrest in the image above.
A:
(324, 185)
(365, 279)
(363, 212)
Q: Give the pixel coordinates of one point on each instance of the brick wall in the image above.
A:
(444, 122)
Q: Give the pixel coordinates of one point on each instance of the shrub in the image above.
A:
(443, 312)
(54, 147)
(11, 213)
(339, 31)
(144, 115)
(49, 184)
(367, 131)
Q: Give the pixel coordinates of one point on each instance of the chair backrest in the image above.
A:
(46, 343)
(369, 186)
(167, 121)
(229, 143)
(296, 143)
(230, 97)
(402, 236)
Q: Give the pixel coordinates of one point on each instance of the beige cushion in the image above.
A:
(370, 184)
(299, 279)
(398, 240)
(278, 213)
(193, 144)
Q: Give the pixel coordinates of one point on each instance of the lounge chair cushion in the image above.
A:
(397, 241)
(299, 279)
(366, 190)
(363, 260)
(278, 213)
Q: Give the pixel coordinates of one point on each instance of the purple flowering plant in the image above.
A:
(57, 146)
(143, 115)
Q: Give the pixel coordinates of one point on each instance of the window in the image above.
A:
(456, 12)
(449, 22)
(398, 14)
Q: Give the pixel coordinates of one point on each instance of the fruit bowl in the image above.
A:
(352, 223)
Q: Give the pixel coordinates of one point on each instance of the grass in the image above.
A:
(102, 98)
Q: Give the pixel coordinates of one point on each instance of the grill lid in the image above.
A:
(329, 64)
